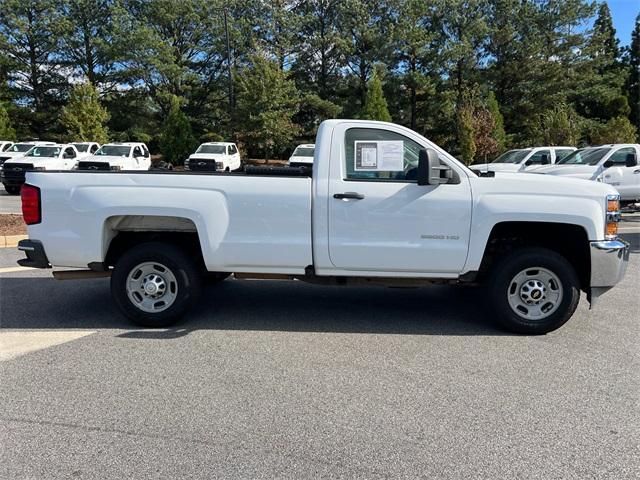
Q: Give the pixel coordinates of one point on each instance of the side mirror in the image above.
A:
(430, 170)
(608, 164)
(631, 160)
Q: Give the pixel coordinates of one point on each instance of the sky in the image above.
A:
(624, 13)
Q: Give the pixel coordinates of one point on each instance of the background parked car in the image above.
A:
(86, 148)
(522, 159)
(615, 164)
(5, 145)
(118, 156)
(215, 157)
(40, 157)
(302, 156)
(17, 150)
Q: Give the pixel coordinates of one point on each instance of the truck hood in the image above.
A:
(308, 160)
(586, 172)
(207, 156)
(539, 186)
(11, 155)
(110, 159)
(35, 161)
(496, 167)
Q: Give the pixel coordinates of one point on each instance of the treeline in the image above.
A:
(475, 76)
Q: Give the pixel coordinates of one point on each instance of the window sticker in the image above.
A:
(387, 156)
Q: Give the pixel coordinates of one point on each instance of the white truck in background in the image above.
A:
(38, 158)
(614, 164)
(385, 206)
(214, 157)
(17, 150)
(523, 159)
(86, 149)
(5, 145)
(118, 156)
(302, 156)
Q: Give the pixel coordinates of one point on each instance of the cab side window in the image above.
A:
(93, 149)
(137, 152)
(380, 155)
(145, 152)
(69, 153)
(232, 150)
(563, 152)
(541, 157)
(619, 157)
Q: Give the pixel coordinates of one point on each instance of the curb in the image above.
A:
(9, 241)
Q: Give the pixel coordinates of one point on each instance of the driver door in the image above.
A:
(380, 219)
(68, 158)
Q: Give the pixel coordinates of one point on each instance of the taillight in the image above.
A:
(31, 211)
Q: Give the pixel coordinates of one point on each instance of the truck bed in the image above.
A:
(245, 222)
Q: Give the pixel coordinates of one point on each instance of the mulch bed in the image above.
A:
(12, 225)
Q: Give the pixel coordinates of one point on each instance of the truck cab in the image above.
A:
(118, 156)
(613, 164)
(214, 157)
(523, 159)
(38, 158)
(86, 149)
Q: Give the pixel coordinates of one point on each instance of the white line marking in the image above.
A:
(15, 269)
(14, 343)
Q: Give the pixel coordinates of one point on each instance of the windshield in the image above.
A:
(512, 156)
(21, 147)
(219, 149)
(44, 152)
(303, 152)
(81, 147)
(113, 151)
(584, 156)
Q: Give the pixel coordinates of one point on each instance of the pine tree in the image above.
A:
(375, 105)
(84, 117)
(605, 36)
(498, 132)
(616, 130)
(634, 75)
(6, 129)
(267, 102)
(177, 140)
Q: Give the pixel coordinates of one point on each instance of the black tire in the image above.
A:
(12, 189)
(504, 273)
(213, 278)
(185, 271)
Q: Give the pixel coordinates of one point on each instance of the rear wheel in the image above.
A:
(154, 284)
(534, 290)
(12, 189)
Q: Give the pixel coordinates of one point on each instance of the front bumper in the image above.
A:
(609, 260)
(36, 257)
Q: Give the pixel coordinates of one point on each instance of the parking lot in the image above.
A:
(272, 379)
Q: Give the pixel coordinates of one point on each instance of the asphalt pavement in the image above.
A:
(271, 379)
(9, 203)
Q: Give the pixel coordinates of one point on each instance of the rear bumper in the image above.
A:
(609, 260)
(36, 257)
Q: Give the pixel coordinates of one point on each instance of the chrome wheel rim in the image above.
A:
(535, 293)
(152, 287)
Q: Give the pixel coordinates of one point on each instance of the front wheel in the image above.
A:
(154, 284)
(534, 290)
(12, 189)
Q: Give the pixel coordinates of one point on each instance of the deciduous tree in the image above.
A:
(83, 117)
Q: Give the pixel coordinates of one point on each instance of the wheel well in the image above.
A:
(570, 241)
(124, 240)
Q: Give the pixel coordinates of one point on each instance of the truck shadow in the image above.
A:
(41, 303)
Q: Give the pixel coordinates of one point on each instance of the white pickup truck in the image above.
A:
(523, 159)
(384, 206)
(615, 164)
(38, 158)
(118, 156)
(214, 157)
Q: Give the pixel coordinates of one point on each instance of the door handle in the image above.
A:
(346, 195)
